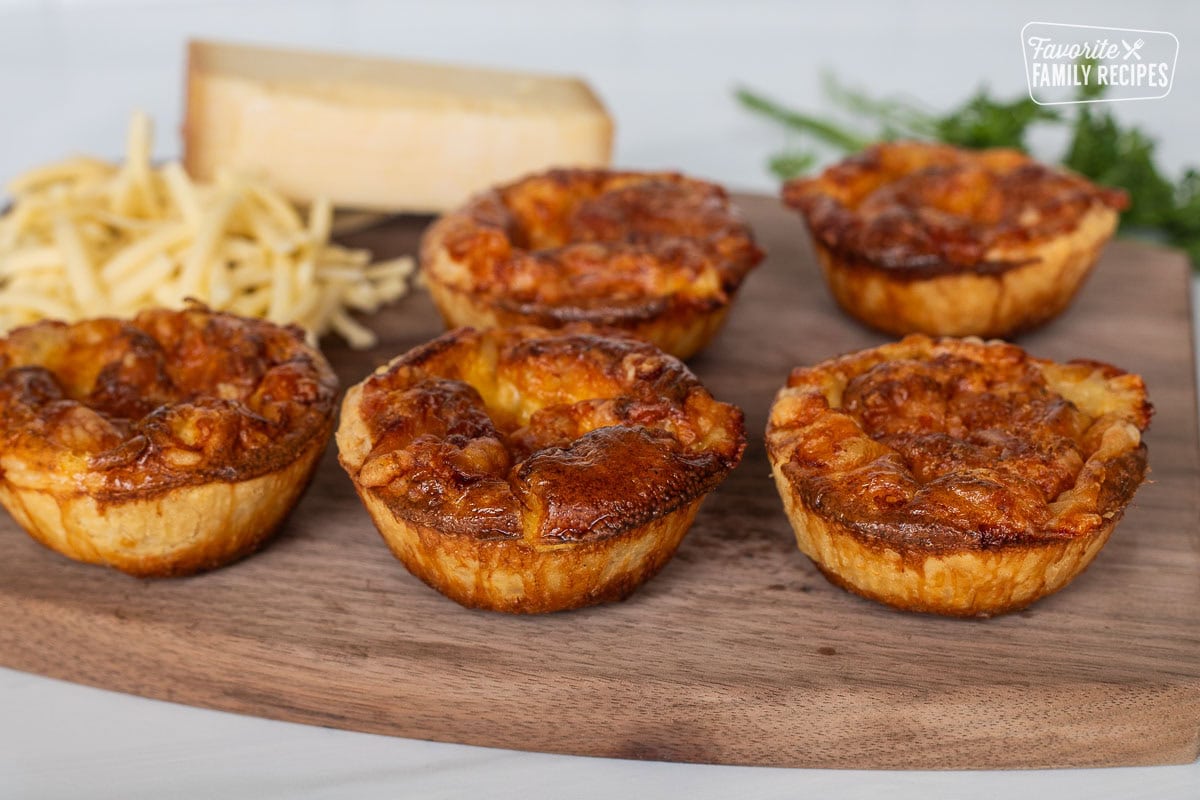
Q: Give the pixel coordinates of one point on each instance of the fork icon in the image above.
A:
(1132, 49)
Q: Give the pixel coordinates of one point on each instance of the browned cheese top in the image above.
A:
(921, 209)
(520, 433)
(171, 398)
(952, 444)
(595, 245)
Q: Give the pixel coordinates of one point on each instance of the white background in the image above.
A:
(71, 72)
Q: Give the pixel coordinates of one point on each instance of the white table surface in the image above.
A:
(70, 73)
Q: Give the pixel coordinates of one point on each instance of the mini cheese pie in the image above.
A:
(926, 238)
(528, 470)
(956, 476)
(656, 254)
(165, 445)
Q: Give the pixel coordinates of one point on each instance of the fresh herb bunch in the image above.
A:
(1100, 148)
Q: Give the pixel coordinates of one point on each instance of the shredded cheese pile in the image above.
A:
(86, 238)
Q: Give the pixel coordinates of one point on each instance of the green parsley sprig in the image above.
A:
(1100, 148)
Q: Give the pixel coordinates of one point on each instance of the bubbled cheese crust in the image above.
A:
(655, 254)
(528, 470)
(916, 237)
(168, 444)
(956, 476)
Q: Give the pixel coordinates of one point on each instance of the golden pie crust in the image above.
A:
(656, 254)
(169, 444)
(956, 476)
(926, 238)
(528, 470)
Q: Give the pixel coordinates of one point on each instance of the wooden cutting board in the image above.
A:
(739, 652)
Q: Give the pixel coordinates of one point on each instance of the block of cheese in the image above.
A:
(377, 134)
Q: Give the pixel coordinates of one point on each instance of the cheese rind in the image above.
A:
(377, 134)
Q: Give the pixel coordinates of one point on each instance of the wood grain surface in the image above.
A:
(739, 652)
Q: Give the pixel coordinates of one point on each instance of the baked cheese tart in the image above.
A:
(956, 476)
(927, 238)
(530, 470)
(165, 445)
(656, 254)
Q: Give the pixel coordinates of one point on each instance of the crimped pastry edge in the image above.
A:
(682, 332)
(512, 576)
(967, 303)
(179, 532)
(961, 583)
